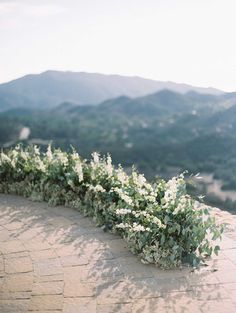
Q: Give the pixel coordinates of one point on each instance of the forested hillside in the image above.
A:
(162, 133)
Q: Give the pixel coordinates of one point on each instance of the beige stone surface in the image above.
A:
(48, 278)
(13, 225)
(14, 306)
(79, 305)
(43, 254)
(112, 308)
(47, 267)
(4, 235)
(55, 260)
(8, 295)
(74, 260)
(78, 289)
(37, 244)
(46, 302)
(16, 255)
(11, 246)
(48, 288)
(18, 265)
(18, 282)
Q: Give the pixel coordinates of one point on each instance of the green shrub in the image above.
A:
(160, 222)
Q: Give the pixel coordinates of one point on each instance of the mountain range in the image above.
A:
(50, 88)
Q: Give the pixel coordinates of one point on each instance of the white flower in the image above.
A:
(149, 188)
(123, 196)
(36, 150)
(141, 180)
(79, 170)
(121, 176)
(62, 157)
(138, 227)
(171, 191)
(109, 166)
(142, 191)
(123, 225)
(24, 155)
(41, 166)
(97, 188)
(14, 153)
(75, 156)
(151, 198)
(123, 211)
(5, 158)
(95, 156)
(183, 203)
(49, 154)
(143, 213)
(138, 179)
(126, 198)
(13, 163)
(158, 222)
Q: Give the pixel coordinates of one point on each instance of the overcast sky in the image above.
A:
(191, 41)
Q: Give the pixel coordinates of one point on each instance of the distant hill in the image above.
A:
(50, 88)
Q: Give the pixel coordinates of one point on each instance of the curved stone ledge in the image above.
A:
(53, 259)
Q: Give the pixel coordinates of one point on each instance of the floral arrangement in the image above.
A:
(160, 222)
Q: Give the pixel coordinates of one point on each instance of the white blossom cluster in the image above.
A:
(5, 158)
(36, 150)
(158, 222)
(75, 156)
(49, 154)
(141, 213)
(123, 211)
(78, 169)
(184, 202)
(62, 158)
(171, 191)
(139, 228)
(97, 188)
(122, 177)
(96, 158)
(123, 225)
(109, 166)
(41, 165)
(138, 179)
(151, 198)
(123, 196)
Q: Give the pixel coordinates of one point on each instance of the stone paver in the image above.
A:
(14, 306)
(48, 288)
(43, 254)
(18, 282)
(46, 302)
(47, 267)
(53, 259)
(18, 265)
(11, 246)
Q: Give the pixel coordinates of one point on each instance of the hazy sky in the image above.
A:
(191, 41)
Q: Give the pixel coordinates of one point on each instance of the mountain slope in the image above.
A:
(48, 89)
(188, 131)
